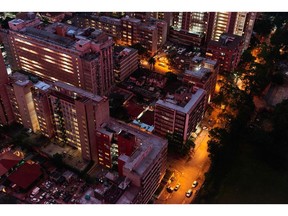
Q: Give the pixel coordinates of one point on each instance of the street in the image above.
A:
(187, 170)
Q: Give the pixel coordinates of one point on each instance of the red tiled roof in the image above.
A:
(26, 175)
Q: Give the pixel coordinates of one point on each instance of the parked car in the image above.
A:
(177, 187)
(189, 193)
(195, 183)
(170, 189)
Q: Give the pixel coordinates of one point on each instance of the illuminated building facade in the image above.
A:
(227, 51)
(59, 110)
(139, 156)
(180, 113)
(76, 115)
(238, 23)
(6, 113)
(126, 61)
(20, 95)
(59, 52)
(203, 73)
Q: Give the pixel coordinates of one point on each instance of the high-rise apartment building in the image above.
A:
(189, 28)
(148, 37)
(59, 110)
(140, 157)
(6, 113)
(126, 61)
(180, 113)
(60, 52)
(110, 25)
(76, 115)
(20, 95)
(40, 93)
(128, 30)
(248, 30)
(238, 23)
(227, 51)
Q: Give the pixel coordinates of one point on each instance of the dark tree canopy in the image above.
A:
(263, 27)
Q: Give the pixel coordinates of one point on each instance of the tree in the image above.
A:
(247, 57)
(263, 27)
(4, 23)
(171, 76)
(141, 50)
(278, 78)
(279, 38)
(176, 144)
(152, 63)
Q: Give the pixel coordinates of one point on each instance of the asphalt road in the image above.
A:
(187, 170)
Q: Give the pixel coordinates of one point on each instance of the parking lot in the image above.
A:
(51, 192)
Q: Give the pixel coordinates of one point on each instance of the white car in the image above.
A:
(195, 183)
(177, 187)
(189, 193)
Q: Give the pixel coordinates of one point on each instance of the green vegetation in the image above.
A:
(117, 110)
(152, 63)
(249, 159)
(250, 166)
(176, 144)
(141, 50)
(263, 26)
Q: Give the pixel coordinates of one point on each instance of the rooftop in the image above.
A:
(149, 147)
(88, 198)
(42, 85)
(120, 51)
(200, 74)
(110, 20)
(129, 195)
(79, 91)
(198, 59)
(49, 37)
(8, 161)
(230, 41)
(130, 19)
(25, 175)
(172, 104)
(148, 26)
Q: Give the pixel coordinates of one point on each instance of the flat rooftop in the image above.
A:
(129, 195)
(144, 156)
(230, 41)
(200, 74)
(79, 91)
(110, 20)
(123, 50)
(172, 104)
(49, 37)
(130, 19)
(42, 85)
(199, 59)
